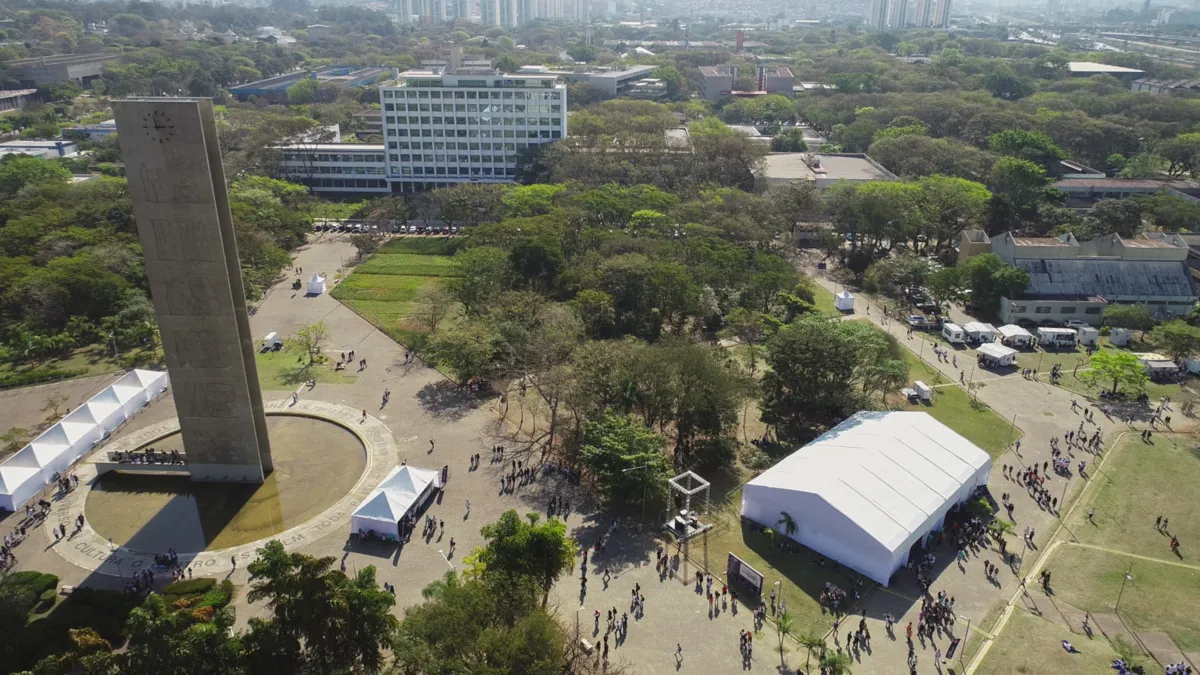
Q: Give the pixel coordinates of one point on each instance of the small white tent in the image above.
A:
(1089, 335)
(997, 354)
(844, 301)
(316, 285)
(1014, 335)
(980, 332)
(1119, 337)
(401, 490)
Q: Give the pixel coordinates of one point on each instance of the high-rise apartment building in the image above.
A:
(879, 14)
(404, 10)
(924, 13)
(941, 18)
(897, 11)
(468, 124)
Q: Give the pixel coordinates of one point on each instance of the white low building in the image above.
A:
(870, 489)
(994, 354)
(980, 332)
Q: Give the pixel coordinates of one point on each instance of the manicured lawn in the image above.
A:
(383, 289)
(803, 572)
(1031, 645)
(954, 408)
(410, 264)
(1140, 483)
(824, 300)
(1154, 390)
(282, 370)
(420, 245)
(1159, 597)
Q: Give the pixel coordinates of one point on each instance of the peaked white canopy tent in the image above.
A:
(316, 285)
(980, 332)
(998, 354)
(1014, 335)
(401, 490)
(56, 449)
(868, 490)
(844, 301)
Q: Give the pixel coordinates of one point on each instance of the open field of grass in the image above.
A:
(1031, 645)
(824, 301)
(1138, 484)
(954, 408)
(384, 288)
(1159, 596)
(409, 264)
(96, 359)
(283, 370)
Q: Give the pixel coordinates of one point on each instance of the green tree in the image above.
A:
(810, 382)
(17, 171)
(482, 273)
(989, 279)
(944, 286)
(1182, 154)
(516, 548)
(304, 92)
(786, 524)
(1121, 368)
(1034, 146)
(433, 304)
(625, 458)
(1132, 317)
(1179, 340)
(320, 619)
(812, 643)
(310, 339)
(1022, 181)
(785, 623)
(1004, 83)
(837, 663)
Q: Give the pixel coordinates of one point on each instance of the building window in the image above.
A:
(1018, 309)
(1042, 310)
(1092, 310)
(1067, 310)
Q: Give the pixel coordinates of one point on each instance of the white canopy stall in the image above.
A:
(1056, 336)
(994, 354)
(1089, 335)
(316, 285)
(56, 449)
(400, 491)
(844, 301)
(871, 488)
(980, 332)
(1014, 336)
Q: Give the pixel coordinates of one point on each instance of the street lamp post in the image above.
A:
(643, 467)
(1127, 577)
(443, 554)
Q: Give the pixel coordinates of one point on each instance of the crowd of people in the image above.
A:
(147, 456)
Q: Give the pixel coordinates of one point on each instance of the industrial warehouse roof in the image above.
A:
(1110, 279)
(1081, 67)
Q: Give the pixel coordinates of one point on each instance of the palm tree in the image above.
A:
(998, 528)
(786, 524)
(784, 624)
(837, 663)
(811, 643)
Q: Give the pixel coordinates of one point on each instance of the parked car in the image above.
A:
(317, 227)
(1075, 323)
(395, 228)
(917, 321)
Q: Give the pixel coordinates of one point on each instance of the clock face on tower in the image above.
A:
(158, 126)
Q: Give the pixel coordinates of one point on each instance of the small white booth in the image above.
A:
(1059, 337)
(954, 333)
(997, 355)
(316, 285)
(404, 489)
(924, 391)
(1120, 337)
(980, 332)
(1088, 335)
(844, 301)
(1014, 336)
(272, 342)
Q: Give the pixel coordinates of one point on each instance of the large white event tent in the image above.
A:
(401, 490)
(868, 490)
(56, 449)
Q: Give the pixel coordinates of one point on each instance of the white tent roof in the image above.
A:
(126, 392)
(381, 506)
(1013, 330)
(148, 377)
(978, 327)
(886, 472)
(996, 351)
(952, 327)
(12, 477)
(1055, 331)
(845, 295)
(316, 279)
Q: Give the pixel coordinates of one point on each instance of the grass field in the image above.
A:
(96, 359)
(1138, 484)
(1159, 596)
(953, 407)
(281, 371)
(384, 288)
(802, 573)
(1031, 645)
(824, 301)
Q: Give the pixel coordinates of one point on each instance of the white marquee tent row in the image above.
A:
(24, 474)
(865, 492)
(401, 490)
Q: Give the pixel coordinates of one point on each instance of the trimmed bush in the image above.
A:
(218, 597)
(22, 591)
(188, 587)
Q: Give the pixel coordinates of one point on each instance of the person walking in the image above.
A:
(233, 561)
(468, 508)
(678, 654)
